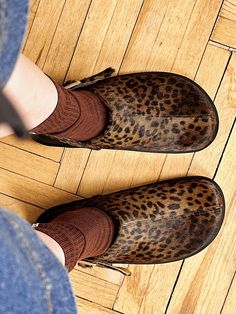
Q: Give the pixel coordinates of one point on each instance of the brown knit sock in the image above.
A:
(82, 233)
(78, 116)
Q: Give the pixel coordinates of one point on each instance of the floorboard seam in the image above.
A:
(50, 45)
(72, 56)
(231, 282)
(225, 146)
(173, 289)
(122, 60)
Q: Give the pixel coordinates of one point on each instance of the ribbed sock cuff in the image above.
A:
(79, 116)
(81, 233)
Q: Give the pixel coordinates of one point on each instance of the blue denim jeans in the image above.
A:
(32, 280)
(13, 19)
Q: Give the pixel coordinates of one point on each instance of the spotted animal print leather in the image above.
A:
(150, 111)
(157, 223)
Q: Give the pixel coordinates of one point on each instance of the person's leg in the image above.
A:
(73, 236)
(53, 246)
(48, 108)
(32, 93)
(32, 280)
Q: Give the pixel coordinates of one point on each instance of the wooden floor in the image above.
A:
(76, 38)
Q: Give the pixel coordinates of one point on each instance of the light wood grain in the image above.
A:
(203, 165)
(24, 210)
(206, 161)
(109, 171)
(225, 28)
(118, 34)
(105, 36)
(198, 289)
(86, 307)
(71, 170)
(195, 39)
(134, 289)
(91, 38)
(103, 273)
(159, 288)
(210, 76)
(84, 37)
(93, 289)
(33, 7)
(65, 38)
(53, 153)
(230, 302)
(42, 30)
(145, 35)
(32, 191)
(92, 55)
(173, 35)
(27, 164)
(174, 165)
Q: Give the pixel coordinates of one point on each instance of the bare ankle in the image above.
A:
(53, 246)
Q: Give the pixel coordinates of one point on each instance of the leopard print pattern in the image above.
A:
(160, 222)
(158, 112)
(151, 111)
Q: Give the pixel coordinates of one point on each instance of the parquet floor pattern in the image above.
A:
(76, 38)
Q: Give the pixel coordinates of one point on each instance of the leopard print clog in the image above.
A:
(157, 223)
(150, 112)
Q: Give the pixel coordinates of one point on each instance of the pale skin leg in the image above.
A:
(32, 93)
(52, 245)
(34, 96)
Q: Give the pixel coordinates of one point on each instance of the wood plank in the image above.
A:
(24, 210)
(65, 38)
(31, 191)
(103, 273)
(179, 39)
(91, 38)
(111, 181)
(42, 30)
(145, 35)
(33, 7)
(27, 164)
(115, 22)
(134, 289)
(225, 28)
(93, 178)
(86, 307)
(198, 288)
(53, 153)
(175, 165)
(118, 170)
(71, 170)
(53, 54)
(214, 43)
(118, 34)
(230, 302)
(93, 289)
(208, 76)
(204, 162)
(195, 38)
